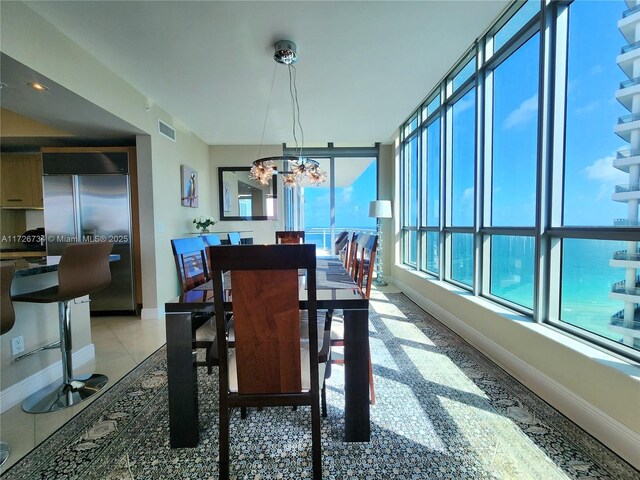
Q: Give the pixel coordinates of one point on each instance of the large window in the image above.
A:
(553, 173)
(515, 140)
(463, 163)
(594, 43)
(351, 184)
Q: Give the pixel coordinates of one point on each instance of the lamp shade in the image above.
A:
(380, 209)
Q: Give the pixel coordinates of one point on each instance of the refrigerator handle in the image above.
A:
(77, 220)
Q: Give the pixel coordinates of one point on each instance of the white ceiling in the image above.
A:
(363, 66)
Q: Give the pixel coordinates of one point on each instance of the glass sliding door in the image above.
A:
(339, 204)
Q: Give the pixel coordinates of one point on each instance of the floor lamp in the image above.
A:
(379, 209)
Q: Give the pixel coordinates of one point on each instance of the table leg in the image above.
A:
(182, 381)
(356, 365)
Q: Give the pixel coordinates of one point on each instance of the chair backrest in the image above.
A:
(292, 236)
(83, 269)
(366, 262)
(265, 304)
(211, 239)
(342, 240)
(234, 238)
(7, 314)
(191, 262)
(352, 256)
(346, 247)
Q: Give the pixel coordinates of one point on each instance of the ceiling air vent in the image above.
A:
(166, 130)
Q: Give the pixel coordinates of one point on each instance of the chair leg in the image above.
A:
(5, 451)
(223, 443)
(316, 441)
(372, 390)
(323, 397)
(243, 412)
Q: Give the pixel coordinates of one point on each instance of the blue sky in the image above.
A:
(352, 202)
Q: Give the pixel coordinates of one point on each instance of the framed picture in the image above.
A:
(190, 188)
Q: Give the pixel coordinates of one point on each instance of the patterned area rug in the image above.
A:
(443, 411)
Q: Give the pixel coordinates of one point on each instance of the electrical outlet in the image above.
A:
(17, 345)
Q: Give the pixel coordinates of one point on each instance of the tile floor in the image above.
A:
(121, 343)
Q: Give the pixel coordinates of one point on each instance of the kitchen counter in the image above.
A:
(26, 267)
(19, 250)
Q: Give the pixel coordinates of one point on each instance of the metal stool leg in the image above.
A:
(72, 390)
(5, 451)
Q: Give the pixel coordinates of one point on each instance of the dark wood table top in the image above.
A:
(335, 289)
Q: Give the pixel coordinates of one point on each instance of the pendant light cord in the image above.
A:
(295, 109)
(266, 116)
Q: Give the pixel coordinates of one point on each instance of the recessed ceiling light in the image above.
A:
(38, 86)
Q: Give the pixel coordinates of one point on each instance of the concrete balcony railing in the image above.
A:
(631, 11)
(624, 255)
(624, 222)
(632, 117)
(627, 153)
(617, 320)
(630, 83)
(628, 188)
(629, 48)
(621, 287)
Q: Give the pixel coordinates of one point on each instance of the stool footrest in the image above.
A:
(51, 346)
(57, 395)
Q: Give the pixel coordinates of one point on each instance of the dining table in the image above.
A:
(335, 290)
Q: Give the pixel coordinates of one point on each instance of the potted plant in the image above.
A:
(203, 223)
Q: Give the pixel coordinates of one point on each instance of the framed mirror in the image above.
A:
(242, 198)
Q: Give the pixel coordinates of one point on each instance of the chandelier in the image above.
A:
(295, 168)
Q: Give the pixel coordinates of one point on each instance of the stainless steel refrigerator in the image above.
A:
(87, 198)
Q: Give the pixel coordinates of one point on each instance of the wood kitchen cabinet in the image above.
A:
(21, 181)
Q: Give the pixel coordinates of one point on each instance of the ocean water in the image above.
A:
(586, 279)
(585, 276)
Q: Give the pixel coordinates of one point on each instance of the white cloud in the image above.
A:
(347, 192)
(464, 104)
(524, 113)
(590, 107)
(603, 171)
(468, 197)
(596, 69)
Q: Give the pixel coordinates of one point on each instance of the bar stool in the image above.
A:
(7, 319)
(83, 269)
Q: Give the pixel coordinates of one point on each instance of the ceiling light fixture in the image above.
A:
(295, 168)
(38, 86)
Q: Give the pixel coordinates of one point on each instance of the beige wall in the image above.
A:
(27, 38)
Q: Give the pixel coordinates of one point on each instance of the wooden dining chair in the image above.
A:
(352, 255)
(345, 250)
(291, 236)
(365, 247)
(192, 267)
(234, 238)
(366, 263)
(272, 363)
(211, 239)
